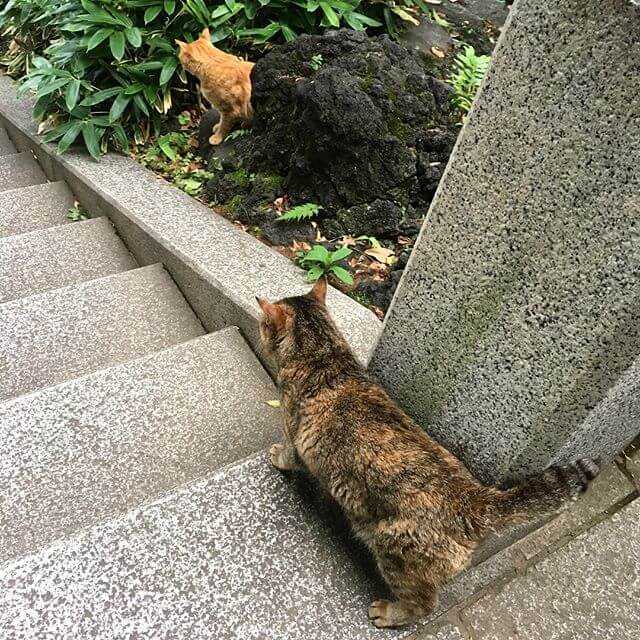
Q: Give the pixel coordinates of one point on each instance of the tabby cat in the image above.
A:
(225, 81)
(412, 502)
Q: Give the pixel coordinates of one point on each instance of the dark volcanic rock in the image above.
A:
(351, 132)
(380, 218)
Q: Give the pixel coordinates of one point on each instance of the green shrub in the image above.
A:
(319, 261)
(469, 70)
(107, 70)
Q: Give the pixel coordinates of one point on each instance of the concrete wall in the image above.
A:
(519, 312)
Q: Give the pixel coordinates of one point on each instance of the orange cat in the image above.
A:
(225, 81)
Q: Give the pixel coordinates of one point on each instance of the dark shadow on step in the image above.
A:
(331, 515)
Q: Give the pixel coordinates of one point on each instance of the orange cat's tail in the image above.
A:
(542, 493)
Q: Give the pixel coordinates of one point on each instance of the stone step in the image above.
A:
(36, 207)
(60, 256)
(6, 146)
(236, 555)
(19, 170)
(92, 448)
(64, 333)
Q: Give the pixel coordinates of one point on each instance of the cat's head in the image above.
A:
(191, 53)
(299, 326)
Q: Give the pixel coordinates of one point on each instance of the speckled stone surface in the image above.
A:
(60, 256)
(519, 311)
(60, 334)
(219, 268)
(37, 207)
(237, 555)
(81, 452)
(19, 170)
(6, 146)
(589, 589)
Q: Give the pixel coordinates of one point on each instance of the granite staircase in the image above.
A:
(137, 499)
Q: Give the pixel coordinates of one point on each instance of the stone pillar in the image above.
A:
(513, 334)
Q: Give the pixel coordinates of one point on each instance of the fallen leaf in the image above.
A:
(404, 240)
(273, 403)
(378, 269)
(438, 52)
(300, 246)
(380, 254)
(347, 241)
(281, 204)
(437, 1)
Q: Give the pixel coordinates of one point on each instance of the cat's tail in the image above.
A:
(542, 493)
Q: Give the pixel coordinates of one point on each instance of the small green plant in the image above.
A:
(184, 119)
(374, 242)
(301, 212)
(171, 155)
(77, 213)
(319, 261)
(316, 61)
(469, 70)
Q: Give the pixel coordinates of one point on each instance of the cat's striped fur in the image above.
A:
(412, 502)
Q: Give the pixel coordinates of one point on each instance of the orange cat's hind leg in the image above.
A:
(223, 128)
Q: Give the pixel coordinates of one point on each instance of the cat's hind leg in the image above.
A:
(415, 584)
(284, 457)
(223, 128)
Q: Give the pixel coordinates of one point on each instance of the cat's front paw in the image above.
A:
(215, 139)
(283, 457)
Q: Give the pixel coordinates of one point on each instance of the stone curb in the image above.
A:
(219, 268)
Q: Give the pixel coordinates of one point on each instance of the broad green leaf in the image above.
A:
(330, 14)
(134, 36)
(170, 6)
(71, 94)
(98, 37)
(120, 136)
(50, 87)
(138, 100)
(166, 147)
(366, 20)
(57, 132)
(341, 273)
(91, 140)
(134, 88)
(340, 254)
(152, 13)
(317, 253)
(70, 136)
(168, 70)
(41, 107)
(288, 33)
(314, 273)
(353, 21)
(118, 106)
(116, 42)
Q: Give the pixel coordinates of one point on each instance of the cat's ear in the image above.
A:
(273, 312)
(319, 291)
(205, 35)
(182, 45)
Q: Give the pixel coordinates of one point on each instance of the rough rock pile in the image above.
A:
(353, 123)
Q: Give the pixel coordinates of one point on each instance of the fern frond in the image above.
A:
(301, 212)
